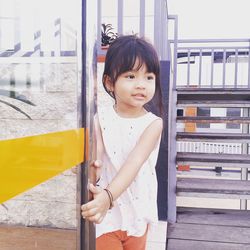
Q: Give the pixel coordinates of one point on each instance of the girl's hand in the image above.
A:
(94, 174)
(95, 167)
(96, 209)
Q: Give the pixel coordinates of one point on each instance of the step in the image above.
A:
(213, 94)
(213, 188)
(214, 216)
(211, 159)
(179, 244)
(213, 119)
(214, 137)
(210, 233)
(213, 103)
(209, 229)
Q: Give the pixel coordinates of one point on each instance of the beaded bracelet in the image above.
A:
(111, 199)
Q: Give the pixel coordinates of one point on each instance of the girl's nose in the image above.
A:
(140, 84)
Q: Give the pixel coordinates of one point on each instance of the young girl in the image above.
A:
(128, 137)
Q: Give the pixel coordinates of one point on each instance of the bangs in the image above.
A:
(135, 61)
(131, 56)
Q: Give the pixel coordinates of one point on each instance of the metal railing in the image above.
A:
(38, 43)
(159, 24)
(213, 63)
(22, 64)
(209, 147)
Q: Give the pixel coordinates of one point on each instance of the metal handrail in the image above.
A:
(232, 40)
(217, 54)
(215, 47)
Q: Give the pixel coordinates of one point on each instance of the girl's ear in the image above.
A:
(108, 83)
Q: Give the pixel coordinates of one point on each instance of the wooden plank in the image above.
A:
(30, 238)
(218, 137)
(209, 216)
(204, 159)
(221, 91)
(213, 119)
(214, 188)
(213, 184)
(213, 103)
(213, 94)
(208, 95)
(237, 235)
(177, 244)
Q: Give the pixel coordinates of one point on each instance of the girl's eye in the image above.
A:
(150, 77)
(130, 76)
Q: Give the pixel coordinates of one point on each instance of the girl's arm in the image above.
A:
(95, 166)
(136, 159)
(96, 209)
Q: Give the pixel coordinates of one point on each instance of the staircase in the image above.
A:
(207, 228)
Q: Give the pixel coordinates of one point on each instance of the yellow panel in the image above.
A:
(29, 161)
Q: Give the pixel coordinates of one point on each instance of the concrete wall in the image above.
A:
(53, 203)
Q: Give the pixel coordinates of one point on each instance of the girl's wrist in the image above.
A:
(111, 199)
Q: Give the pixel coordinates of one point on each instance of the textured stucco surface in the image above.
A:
(53, 203)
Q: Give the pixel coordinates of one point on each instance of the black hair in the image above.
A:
(122, 55)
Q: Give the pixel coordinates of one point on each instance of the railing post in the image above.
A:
(200, 68)
(175, 18)
(188, 68)
(236, 68)
(160, 28)
(244, 150)
(212, 69)
(142, 18)
(224, 69)
(120, 17)
(99, 25)
(172, 133)
(249, 64)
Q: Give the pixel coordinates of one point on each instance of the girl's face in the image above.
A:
(133, 89)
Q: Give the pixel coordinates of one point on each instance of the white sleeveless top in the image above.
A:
(137, 206)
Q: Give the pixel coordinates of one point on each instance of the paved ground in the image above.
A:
(28, 238)
(157, 236)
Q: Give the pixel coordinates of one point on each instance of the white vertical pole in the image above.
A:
(120, 17)
(142, 18)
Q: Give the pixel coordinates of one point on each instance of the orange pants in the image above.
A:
(118, 240)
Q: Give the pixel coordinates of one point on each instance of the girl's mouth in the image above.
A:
(139, 96)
